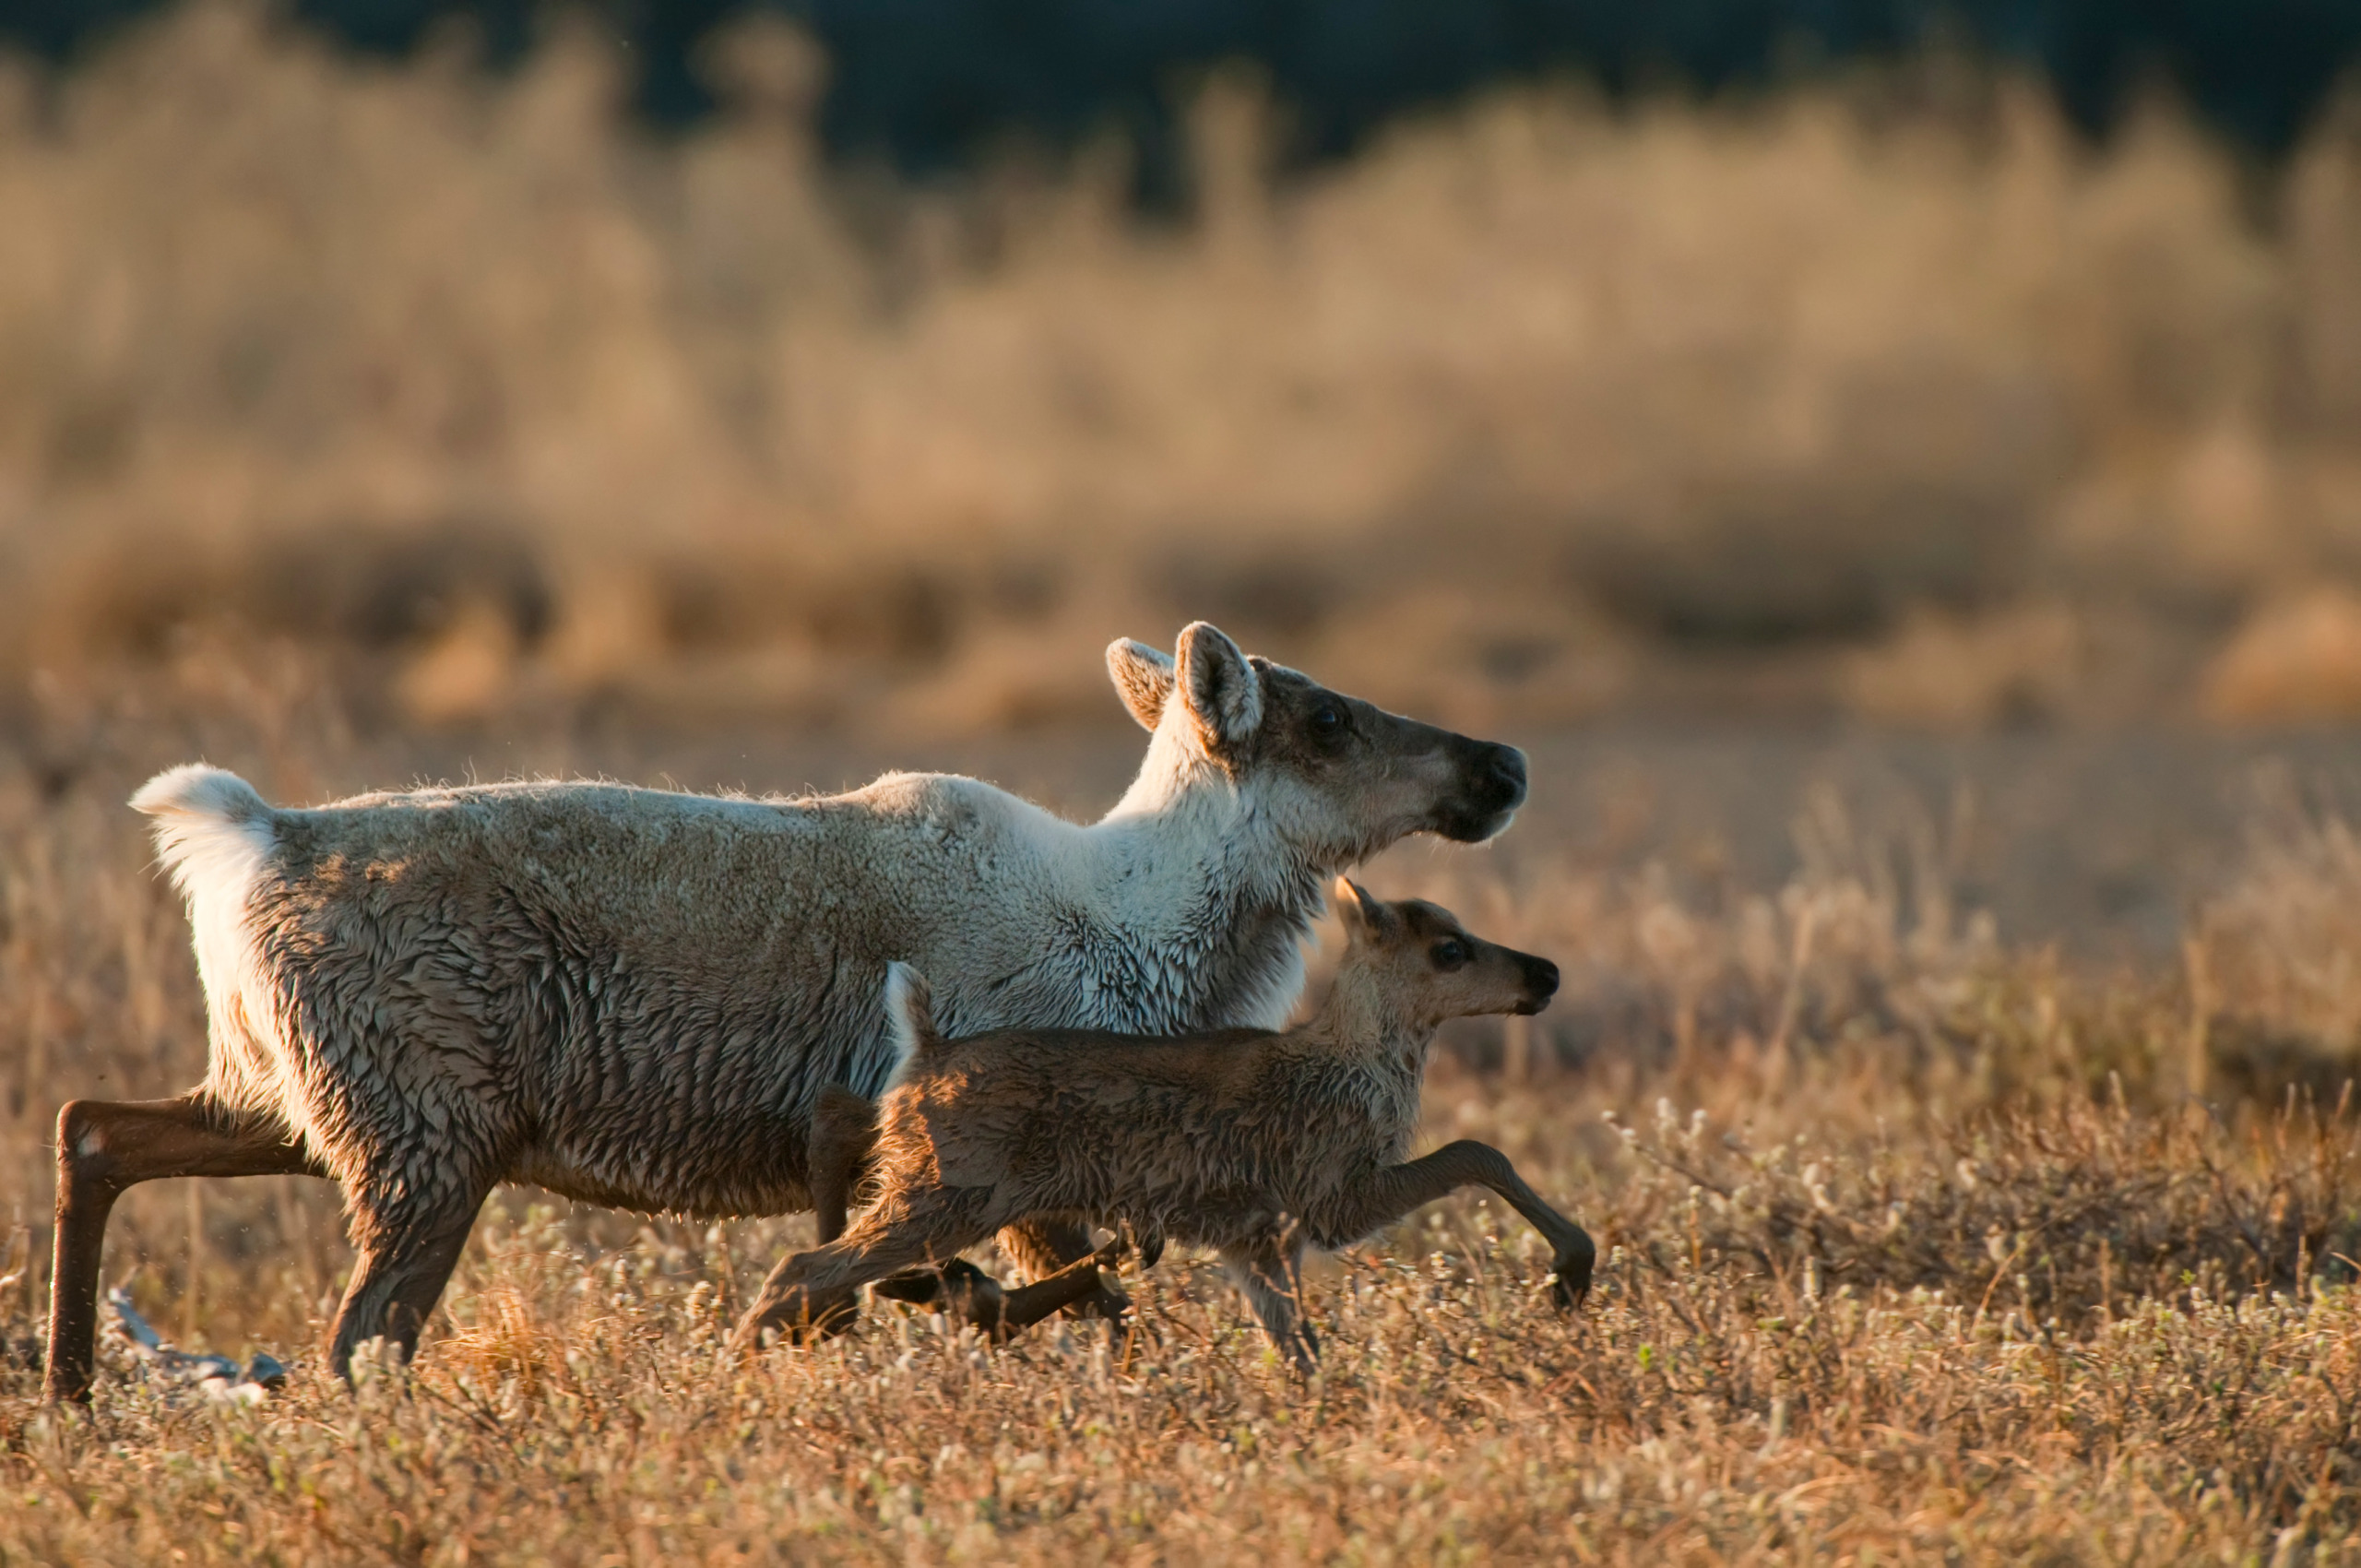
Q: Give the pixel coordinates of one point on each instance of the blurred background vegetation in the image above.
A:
(1965, 368)
(932, 83)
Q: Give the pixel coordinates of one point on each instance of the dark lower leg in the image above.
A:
(978, 1300)
(1272, 1277)
(816, 1290)
(82, 1210)
(844, 1135)
(1047, 1247)
(396, 1285)
(1391, 1194)
(104, 1148)
(1080, 1285)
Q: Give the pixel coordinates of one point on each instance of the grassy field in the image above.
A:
(1896, 527)
(1928, 1240)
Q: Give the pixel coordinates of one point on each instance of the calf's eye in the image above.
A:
(1450, 954)
(1327, 721)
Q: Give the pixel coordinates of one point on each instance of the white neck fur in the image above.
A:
(1201, 889)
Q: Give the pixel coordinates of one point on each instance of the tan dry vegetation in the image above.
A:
(1918, 1247)
(343, 405)
(1892, 382)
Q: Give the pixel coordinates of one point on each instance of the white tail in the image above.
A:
(212, 831)
(216, 834)
(909, 1018)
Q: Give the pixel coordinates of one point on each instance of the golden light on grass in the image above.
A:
(2296, 658)
(362, 422)
(1913, 1244)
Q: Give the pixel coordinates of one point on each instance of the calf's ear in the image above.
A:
(1143, 678)
(1224, 694)
(1366, 918)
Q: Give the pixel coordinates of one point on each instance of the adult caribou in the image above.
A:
(637, 998)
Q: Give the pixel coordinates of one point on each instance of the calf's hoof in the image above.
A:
(1571, 1283)
(1102, 1300)
(792, 1316)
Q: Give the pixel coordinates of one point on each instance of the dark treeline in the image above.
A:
(927, 83)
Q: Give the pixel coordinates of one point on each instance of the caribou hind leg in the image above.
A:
(843, 1142)
(405, 1262)
(1269, 1269)
(979, 1301)
(844, 1139)
(106, 1148)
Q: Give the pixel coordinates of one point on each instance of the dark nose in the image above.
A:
(1504, 771)
(1541, 979)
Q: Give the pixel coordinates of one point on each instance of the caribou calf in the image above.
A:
(1251, 1142)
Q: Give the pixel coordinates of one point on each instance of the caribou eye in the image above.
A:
(1327, 721)
(1450, 954)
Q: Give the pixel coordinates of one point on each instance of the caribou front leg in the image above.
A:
(1384, 1197)
(106, 1148)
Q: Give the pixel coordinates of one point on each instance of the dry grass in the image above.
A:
(357, 420)
(1918, 1249)
(517, 406)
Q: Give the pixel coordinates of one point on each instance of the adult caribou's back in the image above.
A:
(635, 997)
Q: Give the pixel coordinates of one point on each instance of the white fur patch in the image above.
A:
(910, 1018)
(212, 830)
(215, 834)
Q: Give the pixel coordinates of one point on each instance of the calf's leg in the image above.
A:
(106, 1148)
(1389, 1194)
(816, 1290)
(960, 1287)
(844, 1139)
(1047, 1247)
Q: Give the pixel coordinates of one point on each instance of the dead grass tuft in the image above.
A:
(1918, 1243)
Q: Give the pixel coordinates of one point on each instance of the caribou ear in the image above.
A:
(1142, 676)
(1367, 919)
(1224, 694)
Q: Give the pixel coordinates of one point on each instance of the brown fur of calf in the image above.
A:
(1254, 1143)
(844, 1143)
